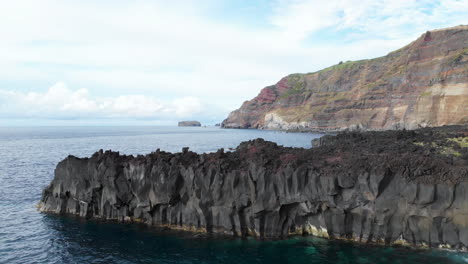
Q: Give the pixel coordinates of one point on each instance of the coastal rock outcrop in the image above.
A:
(423, 84)
(189, 124)
(394, 187)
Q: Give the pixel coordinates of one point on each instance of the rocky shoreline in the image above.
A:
(390, 187)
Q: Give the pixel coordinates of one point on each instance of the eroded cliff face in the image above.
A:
(397, 187)
(422, 84)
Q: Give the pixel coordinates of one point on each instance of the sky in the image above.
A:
(117, 62)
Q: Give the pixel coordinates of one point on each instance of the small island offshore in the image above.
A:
(189, 124)
(395, 174)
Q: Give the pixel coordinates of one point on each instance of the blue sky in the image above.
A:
(157, 62)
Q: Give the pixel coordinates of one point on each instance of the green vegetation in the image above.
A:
(448, 151)
(371, 85)
(328, 97)
(462, 141)
(395, 69)
(458, 57)
(297, 84)
(337, 96)
(291, 92)
(447, 148)
(427, 93)
(344, 65)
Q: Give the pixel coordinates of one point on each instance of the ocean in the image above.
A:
(28, 156)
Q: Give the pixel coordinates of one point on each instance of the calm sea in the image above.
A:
(27, 160)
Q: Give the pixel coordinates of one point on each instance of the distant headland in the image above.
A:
(424, 84)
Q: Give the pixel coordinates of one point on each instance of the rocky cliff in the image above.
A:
(394, 187)
(422, 84)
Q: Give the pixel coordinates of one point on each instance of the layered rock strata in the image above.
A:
(423, 84)
(395, 187)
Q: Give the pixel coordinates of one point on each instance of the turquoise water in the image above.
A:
(27, 160)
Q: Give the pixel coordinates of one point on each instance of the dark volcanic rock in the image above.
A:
(396, 187)
(189, 123)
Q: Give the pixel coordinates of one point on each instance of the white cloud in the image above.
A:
(187, 106)
(61, 102)
(391, 19)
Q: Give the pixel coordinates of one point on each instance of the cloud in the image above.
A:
(389, 19)
(187, 106)
(60, 102)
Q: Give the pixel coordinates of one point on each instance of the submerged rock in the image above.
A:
(394, 187)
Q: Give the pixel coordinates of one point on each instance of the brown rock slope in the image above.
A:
(422, 84)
